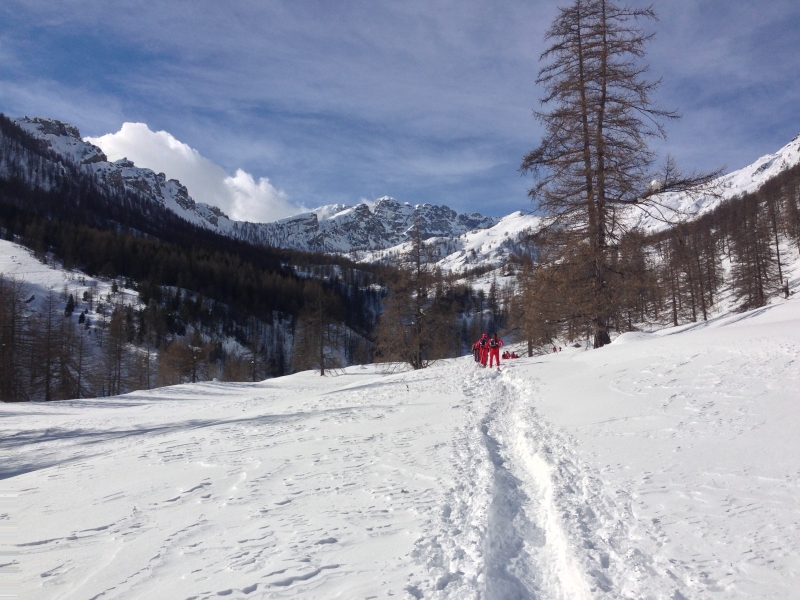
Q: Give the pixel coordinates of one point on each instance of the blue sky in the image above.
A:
(423, 100)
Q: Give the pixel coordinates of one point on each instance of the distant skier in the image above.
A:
(476, 351)
(494, 350)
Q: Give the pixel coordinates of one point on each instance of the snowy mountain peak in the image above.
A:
(329, 211)
(63, 138)
(53, 127)
(736, 183)
(339, 227)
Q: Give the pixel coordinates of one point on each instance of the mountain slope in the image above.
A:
(371, 231)
(58, 208)
(334, 228)
(342, 228)
(65, 142)
(490, 247)
(736, 183)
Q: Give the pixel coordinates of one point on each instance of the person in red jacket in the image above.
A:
(494, 350)
(483, 348)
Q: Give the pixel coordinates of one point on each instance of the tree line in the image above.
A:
(737, 252)
(428, 315)
(286, 310)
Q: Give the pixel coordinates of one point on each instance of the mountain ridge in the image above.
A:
(370, 231)
(341, 228)
(748, 179)
(492, 246)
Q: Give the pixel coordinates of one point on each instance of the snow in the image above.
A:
(662, 466)
(492, 245)
(480, 247)
(19, 263)
(737, 183)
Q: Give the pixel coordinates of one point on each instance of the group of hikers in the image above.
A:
(487, 349)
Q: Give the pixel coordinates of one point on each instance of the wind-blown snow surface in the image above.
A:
(662, 466)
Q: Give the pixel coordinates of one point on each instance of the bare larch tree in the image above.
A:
(594, 160)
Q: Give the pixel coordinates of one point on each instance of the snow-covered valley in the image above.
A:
(662, 466)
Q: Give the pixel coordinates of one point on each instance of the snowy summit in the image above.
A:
(340, 228)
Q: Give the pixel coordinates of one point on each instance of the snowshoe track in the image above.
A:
(594, 545)
(529, 519)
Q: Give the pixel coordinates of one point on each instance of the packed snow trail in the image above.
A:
(661, 467)
(547, 525)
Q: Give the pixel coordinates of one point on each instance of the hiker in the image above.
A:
(483, 347)
(494, 350)
(476, 351)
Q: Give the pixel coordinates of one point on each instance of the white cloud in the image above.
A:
(240, 196)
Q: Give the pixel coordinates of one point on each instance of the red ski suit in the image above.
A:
(494, 351)
(483, 348)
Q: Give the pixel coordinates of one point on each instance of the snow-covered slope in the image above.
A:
(488, 247)
(19, 263)
(737, 183)
(338, 228)
(662, 468)
(65, 140)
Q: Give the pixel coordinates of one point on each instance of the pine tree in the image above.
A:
(175, 362)
(317, 344)
(754, 272)
(46, 348)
